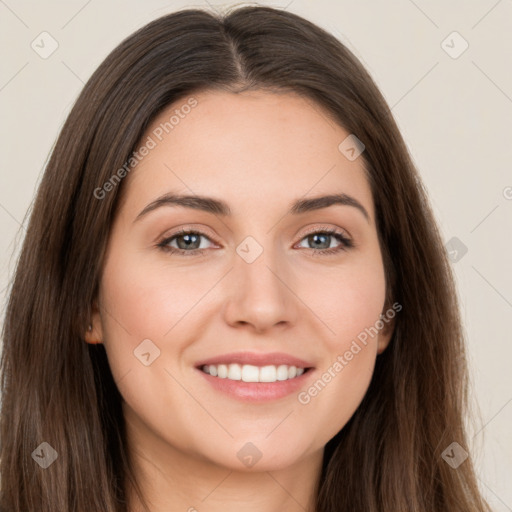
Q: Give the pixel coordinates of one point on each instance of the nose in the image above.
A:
(260, 294)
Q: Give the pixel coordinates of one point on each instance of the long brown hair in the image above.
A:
(58, 389)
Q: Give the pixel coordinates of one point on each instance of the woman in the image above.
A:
(175, 338)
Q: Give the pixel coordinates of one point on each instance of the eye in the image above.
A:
(188, 243)
(321, 239)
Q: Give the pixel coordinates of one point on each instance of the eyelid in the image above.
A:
(189, 228)
(337, 229)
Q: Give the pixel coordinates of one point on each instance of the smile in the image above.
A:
(251, 373)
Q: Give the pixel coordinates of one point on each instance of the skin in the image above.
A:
(258, 151)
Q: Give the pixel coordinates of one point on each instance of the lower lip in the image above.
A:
(257, 391)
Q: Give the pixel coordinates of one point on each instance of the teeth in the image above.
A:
(234, 371)
(268, 374)
(222, 371)
(250, 373)
(282, 372)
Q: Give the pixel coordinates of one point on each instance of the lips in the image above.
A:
(256, 377)
(255, 359)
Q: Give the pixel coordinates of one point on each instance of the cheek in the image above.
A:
(144, 301)
(339, 389)
(138, 304)
(348, 301)
(147, 300)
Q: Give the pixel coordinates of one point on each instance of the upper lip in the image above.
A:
(255, 359)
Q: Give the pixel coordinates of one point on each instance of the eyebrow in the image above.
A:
(219, 207)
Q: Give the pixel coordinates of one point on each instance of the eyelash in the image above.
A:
(345, 243)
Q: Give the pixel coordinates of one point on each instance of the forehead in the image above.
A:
(252, 149)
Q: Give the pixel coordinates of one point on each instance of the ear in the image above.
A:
(94, 334)
(385, 333)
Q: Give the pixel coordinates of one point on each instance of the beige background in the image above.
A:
(454, 113)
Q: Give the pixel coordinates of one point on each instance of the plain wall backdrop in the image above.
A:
(445, 69)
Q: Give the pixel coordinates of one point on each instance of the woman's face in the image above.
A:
(257, 290)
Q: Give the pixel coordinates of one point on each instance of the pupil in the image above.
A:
(188, 240)
(315, 238)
